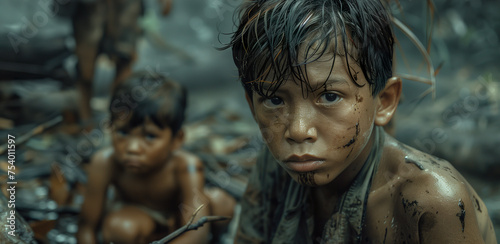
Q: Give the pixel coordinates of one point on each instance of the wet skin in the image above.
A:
(323, 139)
(428, 202)
(146, 169)
(329, 128)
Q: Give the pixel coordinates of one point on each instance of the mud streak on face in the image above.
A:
(353, 140)
(307, 179)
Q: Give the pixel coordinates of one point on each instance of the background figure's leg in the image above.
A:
(221, 204)
(88, 31)
(123, 69)
(123, 36)
(128, 225)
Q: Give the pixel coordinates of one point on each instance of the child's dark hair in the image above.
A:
(271, 32)
(146, 95)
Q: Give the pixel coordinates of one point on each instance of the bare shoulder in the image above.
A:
(102, 160)
(433, 197)
(100, 171)
(191, 178)
(186, 162)
(405, 165)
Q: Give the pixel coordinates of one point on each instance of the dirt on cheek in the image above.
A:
(359, 98)
(353, 140)
(267, 132)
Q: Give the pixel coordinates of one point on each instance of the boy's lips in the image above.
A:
(304, 163)
(132, 163)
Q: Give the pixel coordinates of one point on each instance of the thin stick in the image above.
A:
(422, 50)
(414, 78)
(189, 226)
(195, 213)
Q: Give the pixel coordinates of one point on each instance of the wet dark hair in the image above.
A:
(270, 33)
(149, 95)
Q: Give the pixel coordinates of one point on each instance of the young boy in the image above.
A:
(318, 80)
(156, 186)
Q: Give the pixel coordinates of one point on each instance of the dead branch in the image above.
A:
(423, 51)
(35, 131)
(189, 226)
(414, 78)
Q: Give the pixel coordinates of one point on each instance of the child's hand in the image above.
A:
(166, 6)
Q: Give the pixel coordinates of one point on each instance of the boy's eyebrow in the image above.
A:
(266, 85)
(332, 80)
(151, 128)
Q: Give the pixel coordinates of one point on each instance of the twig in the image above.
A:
(414, 78)
(189, 226)
(422, 50)
(195, 213)
(35, 131)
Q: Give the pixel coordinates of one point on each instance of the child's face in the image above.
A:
(315, 137)
(144, 148)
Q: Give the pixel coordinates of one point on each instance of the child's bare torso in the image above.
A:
(415, 195)
(158, 190)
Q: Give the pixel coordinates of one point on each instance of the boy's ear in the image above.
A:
(178, 140)
(250, 103)
(388, 100)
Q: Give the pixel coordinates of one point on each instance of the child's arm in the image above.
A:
(192, 183)
(95, 194)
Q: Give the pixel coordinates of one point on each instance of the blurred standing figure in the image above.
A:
(110, 27)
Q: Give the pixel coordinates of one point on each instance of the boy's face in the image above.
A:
(144, 148)
(315, 137)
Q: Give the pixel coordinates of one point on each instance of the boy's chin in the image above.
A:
(312, 179)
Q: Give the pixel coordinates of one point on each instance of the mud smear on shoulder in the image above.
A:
(433, 160)
(407, 203)
(411, 161)
(461, 214)
(477, 204)
(413, 204)
(385, 235)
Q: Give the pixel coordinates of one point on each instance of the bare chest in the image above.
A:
(157, 192)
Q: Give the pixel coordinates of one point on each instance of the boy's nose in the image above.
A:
(134, 146)
(300, 127)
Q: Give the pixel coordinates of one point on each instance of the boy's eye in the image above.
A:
(329, 98)
(150, 136)
(273, 102)
(121, 132)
